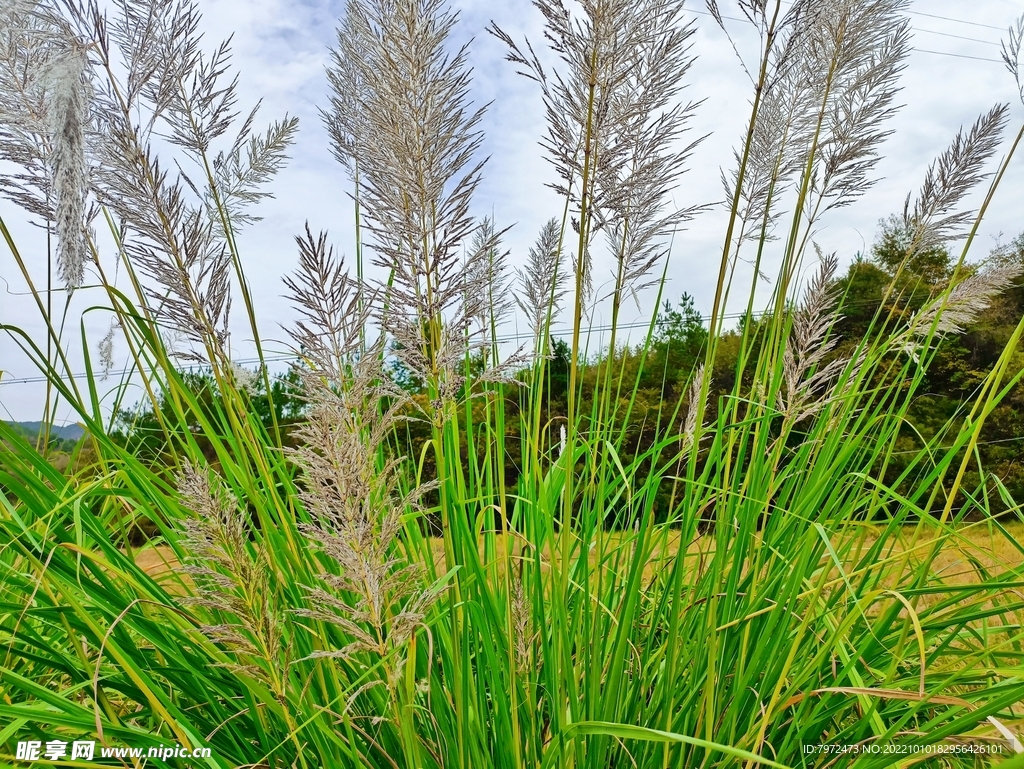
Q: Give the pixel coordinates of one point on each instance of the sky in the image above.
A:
(281, 49)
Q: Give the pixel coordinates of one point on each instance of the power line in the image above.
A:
(958, 55)
(929, 15)
(928, 31)
(707, 13)
(519, 336)
(956, 21)
(958, 37)
(516, 337)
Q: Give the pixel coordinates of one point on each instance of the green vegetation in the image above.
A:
(418, 551)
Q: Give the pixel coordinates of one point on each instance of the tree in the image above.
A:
(678, 346)
(961, 361)
(895, 248)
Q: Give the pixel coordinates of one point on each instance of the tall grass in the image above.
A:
(786, 598)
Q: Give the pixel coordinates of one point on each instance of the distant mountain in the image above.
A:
(71, 432)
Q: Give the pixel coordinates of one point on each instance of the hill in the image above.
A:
(70, 432)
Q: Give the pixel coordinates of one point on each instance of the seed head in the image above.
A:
(933, 219)
(334, 308)
(400, 120)
(1011, 51)
(693, 408)
(543, 280)
(66, 113)
(806, 374)
(374, 595)
(614, 119)
(958, 307)
(233, 579)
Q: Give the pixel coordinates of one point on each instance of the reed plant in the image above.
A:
(334, 603)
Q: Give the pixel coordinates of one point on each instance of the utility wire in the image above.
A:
(519, 336)
(935, 32)
(959, 55)
(516, 337)
(958, 37)
(956, 21)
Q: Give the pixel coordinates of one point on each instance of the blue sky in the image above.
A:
(281, 49)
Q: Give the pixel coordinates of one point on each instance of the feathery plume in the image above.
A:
(771, 160)
(953, 310)
(1011, 53)
(47, 126)
(106, 348)
(485, 274)
(374, 596)
(624, 66)
(250, 164)
(28, 42)
(400, 112)
(522, 624)
(333, 307)
(693, 406)
(932, 219)
(805, 379)
(542, 280)
(243, 379)
(647, 126)
(67, 114)
(233, 579)
(826, 96)
(858, 48)
(10, 9)
(485, 267)
(175, 229)
(771, 155)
